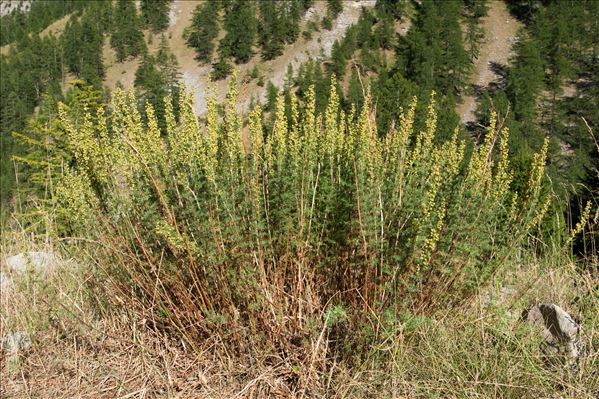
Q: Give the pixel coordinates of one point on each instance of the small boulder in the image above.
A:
(37, 260)
(15, 342)
(560, 331)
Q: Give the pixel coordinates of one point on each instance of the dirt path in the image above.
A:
(501, 30)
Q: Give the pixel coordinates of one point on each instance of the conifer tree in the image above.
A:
(338, 61)
(293, 13)
(272, 32)
(474, 10)
(204, 30)
(432, 54)
(154, 14)
(127, 38)
(71, 40)
(525, 79)
(241, 27)
(355, 94)
(156, 78)
(82, 43)
(221, 69)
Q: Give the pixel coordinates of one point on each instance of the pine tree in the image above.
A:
(127, 38)
(525, 79)
(475, 11)
(221, 69)
(158, 77)
(432, 54)
(271, 96)
(71, 40)
(456, 64)
(272, 32)
(293, 13)
(338, 61)
(355, 93)
(154, 14)
(204, 30)
(392, 93)
(241, 27)
(82, 43)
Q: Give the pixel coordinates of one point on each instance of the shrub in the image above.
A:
(223, 229)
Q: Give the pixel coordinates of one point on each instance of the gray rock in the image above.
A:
(15, 342)
(38, 261)
(559, 330)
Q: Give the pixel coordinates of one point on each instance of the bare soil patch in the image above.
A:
(501, 31)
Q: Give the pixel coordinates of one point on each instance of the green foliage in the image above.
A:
(40, 14)
(241, 26)
(82, 43)
(334, 7)
(272, 32)
(327, 23)
(126, 36)
(221, 69)
(338, 60)
(41, 152)
(474, 11)
(203, 30)
(154, 14)
(525, 79)
(556, 49)
(320, 201)
(432, 54)
(156, 78)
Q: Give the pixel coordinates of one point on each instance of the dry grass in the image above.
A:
(81, 349)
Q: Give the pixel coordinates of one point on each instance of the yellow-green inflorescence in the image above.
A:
(322, 187)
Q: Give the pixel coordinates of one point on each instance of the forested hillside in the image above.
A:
(302, 198)
(438, 52)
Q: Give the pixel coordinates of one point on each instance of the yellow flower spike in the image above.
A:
(351, 139)
(363, 135)
(513, 212)
(233, 138)
(255, 128)
(330, 120)
(280, 133)
(169, 116)
(405, 131)
(154, 139)
(294, 139)
(502, 176)
(310, 129)
(584, 218)
(75, 197)
(105, 144)
(479, 168)
(211, 138)
(340, 138)
(431, 241)
(535, 221)
(538, 168)
(431, 125)
(434, 183)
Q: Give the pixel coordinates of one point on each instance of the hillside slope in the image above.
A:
(501, 30)
(196, 76)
